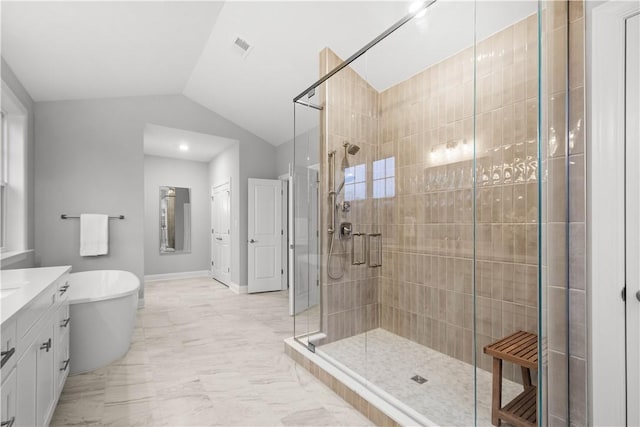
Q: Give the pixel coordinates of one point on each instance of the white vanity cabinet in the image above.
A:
(32, 383)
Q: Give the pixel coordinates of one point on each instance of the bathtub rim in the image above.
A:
(90, 299)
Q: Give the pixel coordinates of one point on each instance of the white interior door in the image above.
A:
(632, 146)
(264, 234)
(221, 233)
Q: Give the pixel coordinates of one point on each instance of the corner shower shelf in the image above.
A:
(520, 348)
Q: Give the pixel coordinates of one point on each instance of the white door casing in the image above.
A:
(264, 235)
(606, 252)
(632, 146)
(221, 233)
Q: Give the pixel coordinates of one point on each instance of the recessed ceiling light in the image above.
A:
(183, 147)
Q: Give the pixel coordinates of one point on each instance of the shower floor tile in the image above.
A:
(390, 362)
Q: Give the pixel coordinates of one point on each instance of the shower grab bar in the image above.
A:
(332, 193)
(362, 237)
(378, 237)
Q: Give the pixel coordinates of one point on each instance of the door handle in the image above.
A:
(253, 241)
(218, 238)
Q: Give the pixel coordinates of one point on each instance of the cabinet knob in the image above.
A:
(46, 345)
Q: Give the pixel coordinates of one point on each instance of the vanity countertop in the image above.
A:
(19, 287)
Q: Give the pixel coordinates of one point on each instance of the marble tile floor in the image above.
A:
(389, 361)
(201, 356)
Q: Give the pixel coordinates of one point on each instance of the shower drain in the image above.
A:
(419, 379)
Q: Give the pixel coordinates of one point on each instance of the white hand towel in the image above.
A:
(94, 234)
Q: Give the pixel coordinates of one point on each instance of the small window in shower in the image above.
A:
(355, 182)
(384, 181)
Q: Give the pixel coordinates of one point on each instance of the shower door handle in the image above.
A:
(378, 261)
(361, 237)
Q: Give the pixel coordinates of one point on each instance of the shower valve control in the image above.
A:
(345, 230)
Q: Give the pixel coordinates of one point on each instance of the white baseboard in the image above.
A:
(173, 276)
(237, 288)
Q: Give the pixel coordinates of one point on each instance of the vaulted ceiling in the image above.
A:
(82, 50)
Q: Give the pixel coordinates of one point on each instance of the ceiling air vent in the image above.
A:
(243, 46)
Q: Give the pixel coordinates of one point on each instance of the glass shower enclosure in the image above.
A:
(419, 190)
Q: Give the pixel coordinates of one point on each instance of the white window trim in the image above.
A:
(17, 121)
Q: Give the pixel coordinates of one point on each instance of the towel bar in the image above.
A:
(65, 216)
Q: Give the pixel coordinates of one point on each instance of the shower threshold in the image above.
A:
(383, 364)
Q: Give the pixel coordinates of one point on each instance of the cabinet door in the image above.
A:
(45, 374)
(8, 414)
(26, 387)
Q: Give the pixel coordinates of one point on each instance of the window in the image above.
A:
(384, 181)
(355, 182)
(13, 179)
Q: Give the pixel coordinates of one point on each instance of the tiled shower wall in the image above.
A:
(564, 260)
(427, 124)
(350, 115)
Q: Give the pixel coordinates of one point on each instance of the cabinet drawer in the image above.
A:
(63, 320)
(8, 412)
(35, 310)
(9, 347)
(63, 287)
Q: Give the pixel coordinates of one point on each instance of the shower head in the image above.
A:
(348, 149)
(351, 148)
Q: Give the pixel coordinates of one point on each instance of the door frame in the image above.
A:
(605, 103)
(214, 188)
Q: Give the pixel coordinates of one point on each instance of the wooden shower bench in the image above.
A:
(520, 348)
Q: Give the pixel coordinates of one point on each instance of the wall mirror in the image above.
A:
(175, 220)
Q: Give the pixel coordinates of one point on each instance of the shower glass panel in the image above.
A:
(507, 203)
(427, 204)
(305, 175)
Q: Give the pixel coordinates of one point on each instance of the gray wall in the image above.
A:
(16, 87)
(222, 167)
(178, 173)
(89, 158)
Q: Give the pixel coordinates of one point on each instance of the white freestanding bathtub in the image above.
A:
(103, 306)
